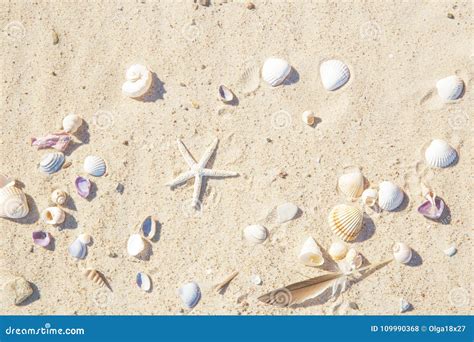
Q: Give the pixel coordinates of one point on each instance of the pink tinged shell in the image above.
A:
(83, 186)
(58, 141)
(41, 238)
(431, 211)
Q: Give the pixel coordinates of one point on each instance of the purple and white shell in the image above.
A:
(83, 186)
(41, 238)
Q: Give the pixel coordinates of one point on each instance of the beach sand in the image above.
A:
(380, 121)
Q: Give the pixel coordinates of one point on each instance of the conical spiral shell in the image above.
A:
(351, 184)
(13, 203)
(95, 276)
(59, 197)
(53, 215)
(346, 221)
(440, 154)
(139, 80)
(402, 252)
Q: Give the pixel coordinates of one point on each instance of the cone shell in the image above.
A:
(95, 166)
(310, 253)
(13, 203)
(402, 253)
(345, 221)
(95, 276)
(51, 162)
(351, 184)
(138, 81)
(334, 74)
(390, 196)
(71, 123)
(59, 197)
(353, 258)
(275, 70)
(53, 215)
(337, 250)
(255, 233)
(440, 154)
(450, 88)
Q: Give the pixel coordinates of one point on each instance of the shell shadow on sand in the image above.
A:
(156, 92)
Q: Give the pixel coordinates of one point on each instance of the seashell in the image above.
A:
(308, 117)
(144, 281)
(71, 123)
(275, 70)
(256, 279)
(369, 197)
(286, 212)
(351, 184)
(402, 253)
(58, 141)
(51, 162)
(249, 80)
(390, 196)
(83, 186)
(59, 197)
(190, 294)
(13, 202)
(41, 238)
(95, 276)
(16, 290)
(334, 74)
(53, 215)
(353, 258)
(450, 251)
(440, 154)
(337, 250)
(310, 253)
(148, 228)
(405, 305)
(85, 238)
(225, 94)
(450, 88)
(78, 249)
(6, 181)
(138, 81)
(345, 221)
(255, 233)
(95, 166)
(433, 207)
(135, 244)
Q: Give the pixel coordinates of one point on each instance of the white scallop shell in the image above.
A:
(337, 251)
(53, 215)
(95, 166)
(402, 253)
(353, 258)
(275, 70)
(255, 233)
(369, 197)
(13, 203)
(310, 253)
(390, 196)
(138, 81)
(440, 154)
(135, 244)
(59, 196)
(308, 117)
(351, 184)
(334, 74)
(190, 294)
(450, 88)
(286, 212)
(71, 123)
(144, 281)
(346, 221)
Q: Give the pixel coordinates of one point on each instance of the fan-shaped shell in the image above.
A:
(59, 197)
(78, 249)
(450, 88)
(310, 253)
(255, 233)
(249, 80)
(275, 70)
(190, 294)
(95, 166)
(51, 162)
(71, 123)
(334, 74)
(135, 244)
(345, 221)
(440, 154)
(138, 81)
(95, 276)
(369, 197)
(351, 184)
(13, 203)
(402, 253)
(53, 215)
(41, 238)
(390, 196)
(143, 281)
(337, 251)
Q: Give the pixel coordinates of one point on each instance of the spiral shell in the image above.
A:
(351, 184)
(345, 221)
(95, 276)
(275, 70)
(51, 162)
(53, 215)
(440, 154)
(13, 203)
(334, 74)
(190, 294)
(308, 117)
(138, 81)
(71, 123)
(337, 251)
(59, 197)
(390, 196)
(310, 253)
(450, 88)
(95, 166)
(402, 253)
(255, 233)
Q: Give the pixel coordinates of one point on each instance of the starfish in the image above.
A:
(198, 170)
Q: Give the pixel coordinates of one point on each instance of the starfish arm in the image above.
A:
(183, 177)
(218, 173)
(185, 153)
(208, 154)
(197, 192)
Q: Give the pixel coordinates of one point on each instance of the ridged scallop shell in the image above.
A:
(95, 276)
(337, 251)
(53, 215)
(78, 249)
(345, 221)
(59, 197)
(13, 203)
(369, 197)
(308, 117)
(390, 196)
(310, 254)
(51, 162)
(249, 80)
(351, 184)
(255, 233)
(450, 88)
(225, 94)
(190, 294)
(402, 253)
(135, 244)
(334, 74)
(95, 166)
(143, 281)
(138, 81)
(275, 70)
(71, 123)
(440, 154)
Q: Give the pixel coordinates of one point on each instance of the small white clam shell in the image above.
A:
(85, 238)
(450, 251)
(13, 202)
(256, 279)
(369, 197)
(402, 252)
(334, 74)
(225, 94)
(404, 305)
(351, 184)
(390, 196)
(53, 215)
(308, 117)
(144, 281)
(138, 81)
(275, 70)
(337, 251)
(440, 154)
(346, 221)
(255, 233)
(59, 196)
(78, 249)
(190, 294)
(310, 254)
(135, 244)
(450, 88)
(71, 123)
(95, 166)
(286, 212)
(353, 258)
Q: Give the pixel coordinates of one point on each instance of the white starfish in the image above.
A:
(198, 170)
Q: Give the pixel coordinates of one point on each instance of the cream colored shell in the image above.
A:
(440, 154)
(13, 202)
(138, 81)
(59, 197)
(337, 251)
(71, 123)
(351, 184)
(310, 253)
(346, 221)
